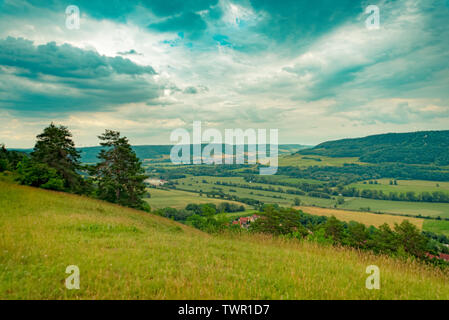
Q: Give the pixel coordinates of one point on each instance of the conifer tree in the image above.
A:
(55, 148)
(120, 175)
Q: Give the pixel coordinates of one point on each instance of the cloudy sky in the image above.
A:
(311, 69)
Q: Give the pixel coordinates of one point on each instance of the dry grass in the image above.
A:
(369, 219)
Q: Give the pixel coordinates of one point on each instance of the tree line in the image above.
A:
(202, 216)
(425, 196)
(403, 240)
(55, 164)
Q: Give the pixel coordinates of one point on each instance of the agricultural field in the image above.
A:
(437, 226)
(234, 215)
(383, 206)
(354, 206)
(161, 198)
(124, 253)
(368, 219)
(286, 179)
(398, 207)
(403, 186)
(284, 199)
(314, 160)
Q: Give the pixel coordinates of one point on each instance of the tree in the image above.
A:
(279, 221)
(32, 173)
(357, 235)
(384, 240)
(9, 159)
(119, 176)
(333, 229)
(411, 239)
(55, 150)
(340, 200)
(297, 202)
(4, 163)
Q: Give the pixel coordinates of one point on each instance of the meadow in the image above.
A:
(399, 207)
(128, 254)
(368, 219)
(403, 186)
(383, 206)
(437, 226)
(162, 198)
(284, 199)
(315, 160)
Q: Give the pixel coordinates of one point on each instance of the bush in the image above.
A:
(4, 165)
(41, 175)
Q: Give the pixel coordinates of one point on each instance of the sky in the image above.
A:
(311, 69)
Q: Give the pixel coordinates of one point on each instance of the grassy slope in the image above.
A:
(123, 253)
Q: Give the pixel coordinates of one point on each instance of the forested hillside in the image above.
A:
(424, 147)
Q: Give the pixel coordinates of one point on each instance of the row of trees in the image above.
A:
(9, 159)
(425, 196)
(204, 210)
(325, 191)
(349, 173)
(202, 216)
(55, 164)
(403, 240)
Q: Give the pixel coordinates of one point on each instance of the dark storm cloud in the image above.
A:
(66, 79)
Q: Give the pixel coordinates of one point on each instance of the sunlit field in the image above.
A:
(369, 219)
(404, 186)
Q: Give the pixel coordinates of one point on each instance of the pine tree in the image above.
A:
(55, 148)
(120, 176)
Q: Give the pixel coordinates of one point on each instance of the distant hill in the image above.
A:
(423, 147)
(160, 152)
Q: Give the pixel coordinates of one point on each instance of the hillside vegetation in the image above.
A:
(123, 253)
(423, 147)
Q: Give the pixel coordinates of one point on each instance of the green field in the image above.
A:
(314, 160)
(404, 186)
(368, 219)
(399, 207)
(179, 199)
(286, 179)
(385, 206)
(437, 226)
(127, 254)
(196, 184)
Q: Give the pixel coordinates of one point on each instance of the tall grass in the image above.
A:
(128, 254)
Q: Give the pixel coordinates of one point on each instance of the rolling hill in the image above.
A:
(160, 152)
(423, 147)
(127, 254)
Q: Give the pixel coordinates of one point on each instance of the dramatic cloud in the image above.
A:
(52, 78)
(309, 68)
